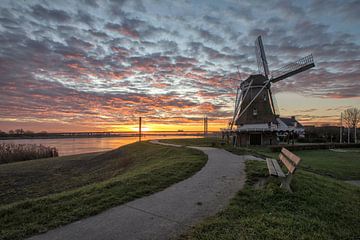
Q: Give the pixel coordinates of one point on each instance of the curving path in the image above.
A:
(168, 213)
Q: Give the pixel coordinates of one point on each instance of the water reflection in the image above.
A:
(71, 146)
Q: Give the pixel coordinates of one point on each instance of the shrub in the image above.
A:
(10, 152)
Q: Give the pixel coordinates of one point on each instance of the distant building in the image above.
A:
(286, 125)
(270, 133)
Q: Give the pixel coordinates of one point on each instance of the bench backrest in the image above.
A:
(290, 160)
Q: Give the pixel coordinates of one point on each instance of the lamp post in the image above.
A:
(341, 127)
(139, 129)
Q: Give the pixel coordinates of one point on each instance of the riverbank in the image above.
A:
(72, 146)
(103, 135)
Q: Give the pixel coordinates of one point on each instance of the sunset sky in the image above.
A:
(98, 65)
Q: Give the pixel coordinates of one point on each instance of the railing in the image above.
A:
(256, 130)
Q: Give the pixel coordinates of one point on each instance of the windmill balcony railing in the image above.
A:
(270, 129)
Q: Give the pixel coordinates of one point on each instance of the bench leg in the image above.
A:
(285, 182)
(261, 183)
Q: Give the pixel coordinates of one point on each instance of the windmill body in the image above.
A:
(256, 119)
(260, 110)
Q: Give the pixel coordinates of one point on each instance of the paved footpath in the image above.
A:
(168, 213)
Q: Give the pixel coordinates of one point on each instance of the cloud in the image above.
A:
(85, 18)
(42, 13)
(98, 34)
(92, 3)
(111, 61)
(208, 36)
(348, 10)
(125, 30)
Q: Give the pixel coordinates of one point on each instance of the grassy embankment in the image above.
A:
(321, 207)
(38, 195)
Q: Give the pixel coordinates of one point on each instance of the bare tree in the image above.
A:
(352, 119)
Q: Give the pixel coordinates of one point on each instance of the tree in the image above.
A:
(19, 131)
(2, 133)
(352, 119)
(28, 133)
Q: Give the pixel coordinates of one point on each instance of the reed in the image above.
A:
(10, 152)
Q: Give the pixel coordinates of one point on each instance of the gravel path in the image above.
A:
(354, 182)
(168, 213)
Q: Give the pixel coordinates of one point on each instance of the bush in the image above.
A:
(10, 152)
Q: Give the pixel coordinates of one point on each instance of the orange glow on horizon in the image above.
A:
(166, 125)
(214, 125)
(143, 129)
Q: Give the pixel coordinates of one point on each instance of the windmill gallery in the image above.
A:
(256, 120)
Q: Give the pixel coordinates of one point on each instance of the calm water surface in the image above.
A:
(71, 146)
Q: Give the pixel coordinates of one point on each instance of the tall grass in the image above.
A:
(10, 152)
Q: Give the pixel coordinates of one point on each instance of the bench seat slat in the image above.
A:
(278, 169)
(270, 166)
(287, 163)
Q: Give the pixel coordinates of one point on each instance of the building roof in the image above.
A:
(290, 122)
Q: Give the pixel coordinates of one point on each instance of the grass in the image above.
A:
(319, 208)
(30, 179)
(339, 165)
(218, 143)
(133, 171)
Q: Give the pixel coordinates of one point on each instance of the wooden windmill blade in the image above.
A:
(236, 99)
(261, 57)
(237, 106)
(291, 69)
(274, 104)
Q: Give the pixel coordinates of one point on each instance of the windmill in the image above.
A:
(255, 110)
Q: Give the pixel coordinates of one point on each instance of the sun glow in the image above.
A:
(143, 129)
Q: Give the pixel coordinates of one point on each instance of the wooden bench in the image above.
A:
(290, 161)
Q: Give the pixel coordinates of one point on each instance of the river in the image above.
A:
(71, 146)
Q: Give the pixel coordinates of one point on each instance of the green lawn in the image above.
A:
(320, 208)
(218, 143)
(87, 184)
(339, 165)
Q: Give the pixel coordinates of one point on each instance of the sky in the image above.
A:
(91, 65)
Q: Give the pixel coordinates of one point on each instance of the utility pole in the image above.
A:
(355, 133)
(205, 126)
(341, 127)
(139, 129)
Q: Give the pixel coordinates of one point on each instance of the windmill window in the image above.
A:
(264, 96)
(255, 112)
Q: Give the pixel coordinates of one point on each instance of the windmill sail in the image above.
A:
(290, 69)
(274, 104)
(261, 58)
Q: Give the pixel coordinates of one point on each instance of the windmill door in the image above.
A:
(255, 139)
